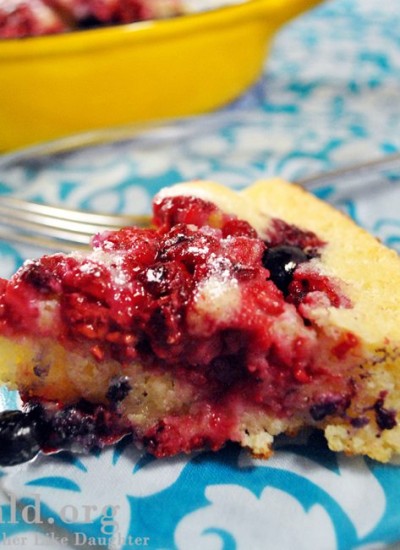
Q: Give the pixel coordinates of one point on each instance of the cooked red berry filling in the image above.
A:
(201, 297)
(280, 232)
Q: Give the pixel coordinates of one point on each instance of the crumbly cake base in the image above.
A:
(73, 376)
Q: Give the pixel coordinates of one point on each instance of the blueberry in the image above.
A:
(19, 438)
(320, 410)
(118, 389)
(385, 418)
(359, 422)
(281, 261)
(333, 404)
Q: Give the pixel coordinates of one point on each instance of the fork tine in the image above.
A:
(54, 227)
(26, 221)
(103, 220)
(36, 241)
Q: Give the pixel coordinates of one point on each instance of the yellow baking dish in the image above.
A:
(53, 86)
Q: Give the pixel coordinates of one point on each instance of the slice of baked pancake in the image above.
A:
(236, 317)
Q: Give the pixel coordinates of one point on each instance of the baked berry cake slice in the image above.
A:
(236, 317)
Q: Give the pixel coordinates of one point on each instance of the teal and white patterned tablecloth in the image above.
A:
(330, 97)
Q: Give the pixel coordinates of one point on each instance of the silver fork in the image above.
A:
(64, 229)
(57, 228)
